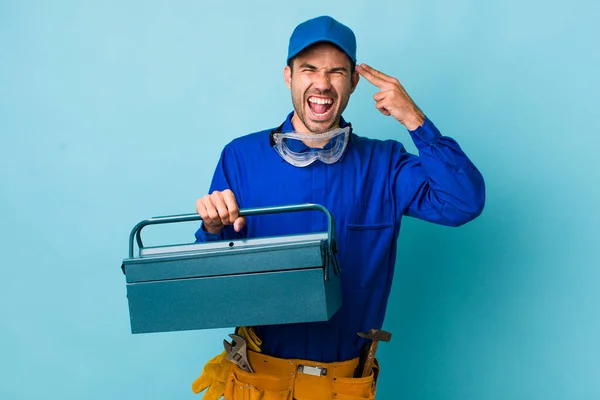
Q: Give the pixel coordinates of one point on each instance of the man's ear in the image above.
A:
(287, 74)
(355, 79)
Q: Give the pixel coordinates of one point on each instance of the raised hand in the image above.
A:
(392, 99)
(219, 209)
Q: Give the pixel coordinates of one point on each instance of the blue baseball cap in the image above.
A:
(322, 29)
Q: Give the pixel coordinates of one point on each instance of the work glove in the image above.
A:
(214, 376)
(253, 342)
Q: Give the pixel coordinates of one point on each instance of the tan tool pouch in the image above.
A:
(282, 379)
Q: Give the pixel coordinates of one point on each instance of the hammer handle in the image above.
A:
(368, 368)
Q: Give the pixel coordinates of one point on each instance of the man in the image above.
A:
(368, 185)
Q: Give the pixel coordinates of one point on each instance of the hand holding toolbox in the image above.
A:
(226, 283)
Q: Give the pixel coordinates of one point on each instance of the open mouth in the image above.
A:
(320, 106)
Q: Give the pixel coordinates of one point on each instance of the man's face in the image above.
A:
(321, 83)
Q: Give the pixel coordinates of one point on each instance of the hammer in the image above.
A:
(375, 335)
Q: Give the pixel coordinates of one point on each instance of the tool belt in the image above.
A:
(284, 379)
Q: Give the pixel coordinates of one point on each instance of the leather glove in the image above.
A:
(214, 376)
(253, 342)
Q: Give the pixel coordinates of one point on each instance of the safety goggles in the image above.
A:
(302, 149)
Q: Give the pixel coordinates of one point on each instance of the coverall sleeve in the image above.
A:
(441, 185)
(223, 178)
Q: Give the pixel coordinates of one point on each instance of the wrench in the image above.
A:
(237, 352)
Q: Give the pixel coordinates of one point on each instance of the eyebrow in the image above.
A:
(307, 65)
(338, 69)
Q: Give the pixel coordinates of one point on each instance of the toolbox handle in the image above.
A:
(136, 231)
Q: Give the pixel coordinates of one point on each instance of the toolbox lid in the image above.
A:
(221, 258)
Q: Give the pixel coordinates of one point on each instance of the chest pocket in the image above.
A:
(366, 254)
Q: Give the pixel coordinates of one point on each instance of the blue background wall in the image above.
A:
(112, 112)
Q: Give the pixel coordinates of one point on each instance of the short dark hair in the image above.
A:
(352, 63)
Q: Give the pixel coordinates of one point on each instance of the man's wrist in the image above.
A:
(415, 121)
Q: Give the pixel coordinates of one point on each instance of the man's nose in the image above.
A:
(322, 81)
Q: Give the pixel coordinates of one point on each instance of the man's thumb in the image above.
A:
(239, 224)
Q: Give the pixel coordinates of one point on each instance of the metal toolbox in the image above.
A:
(220, 284)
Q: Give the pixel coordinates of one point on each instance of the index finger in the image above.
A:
(374, 76)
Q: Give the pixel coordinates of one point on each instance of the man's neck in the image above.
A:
(299, 127)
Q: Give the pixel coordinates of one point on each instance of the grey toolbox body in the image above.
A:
(247, 282)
